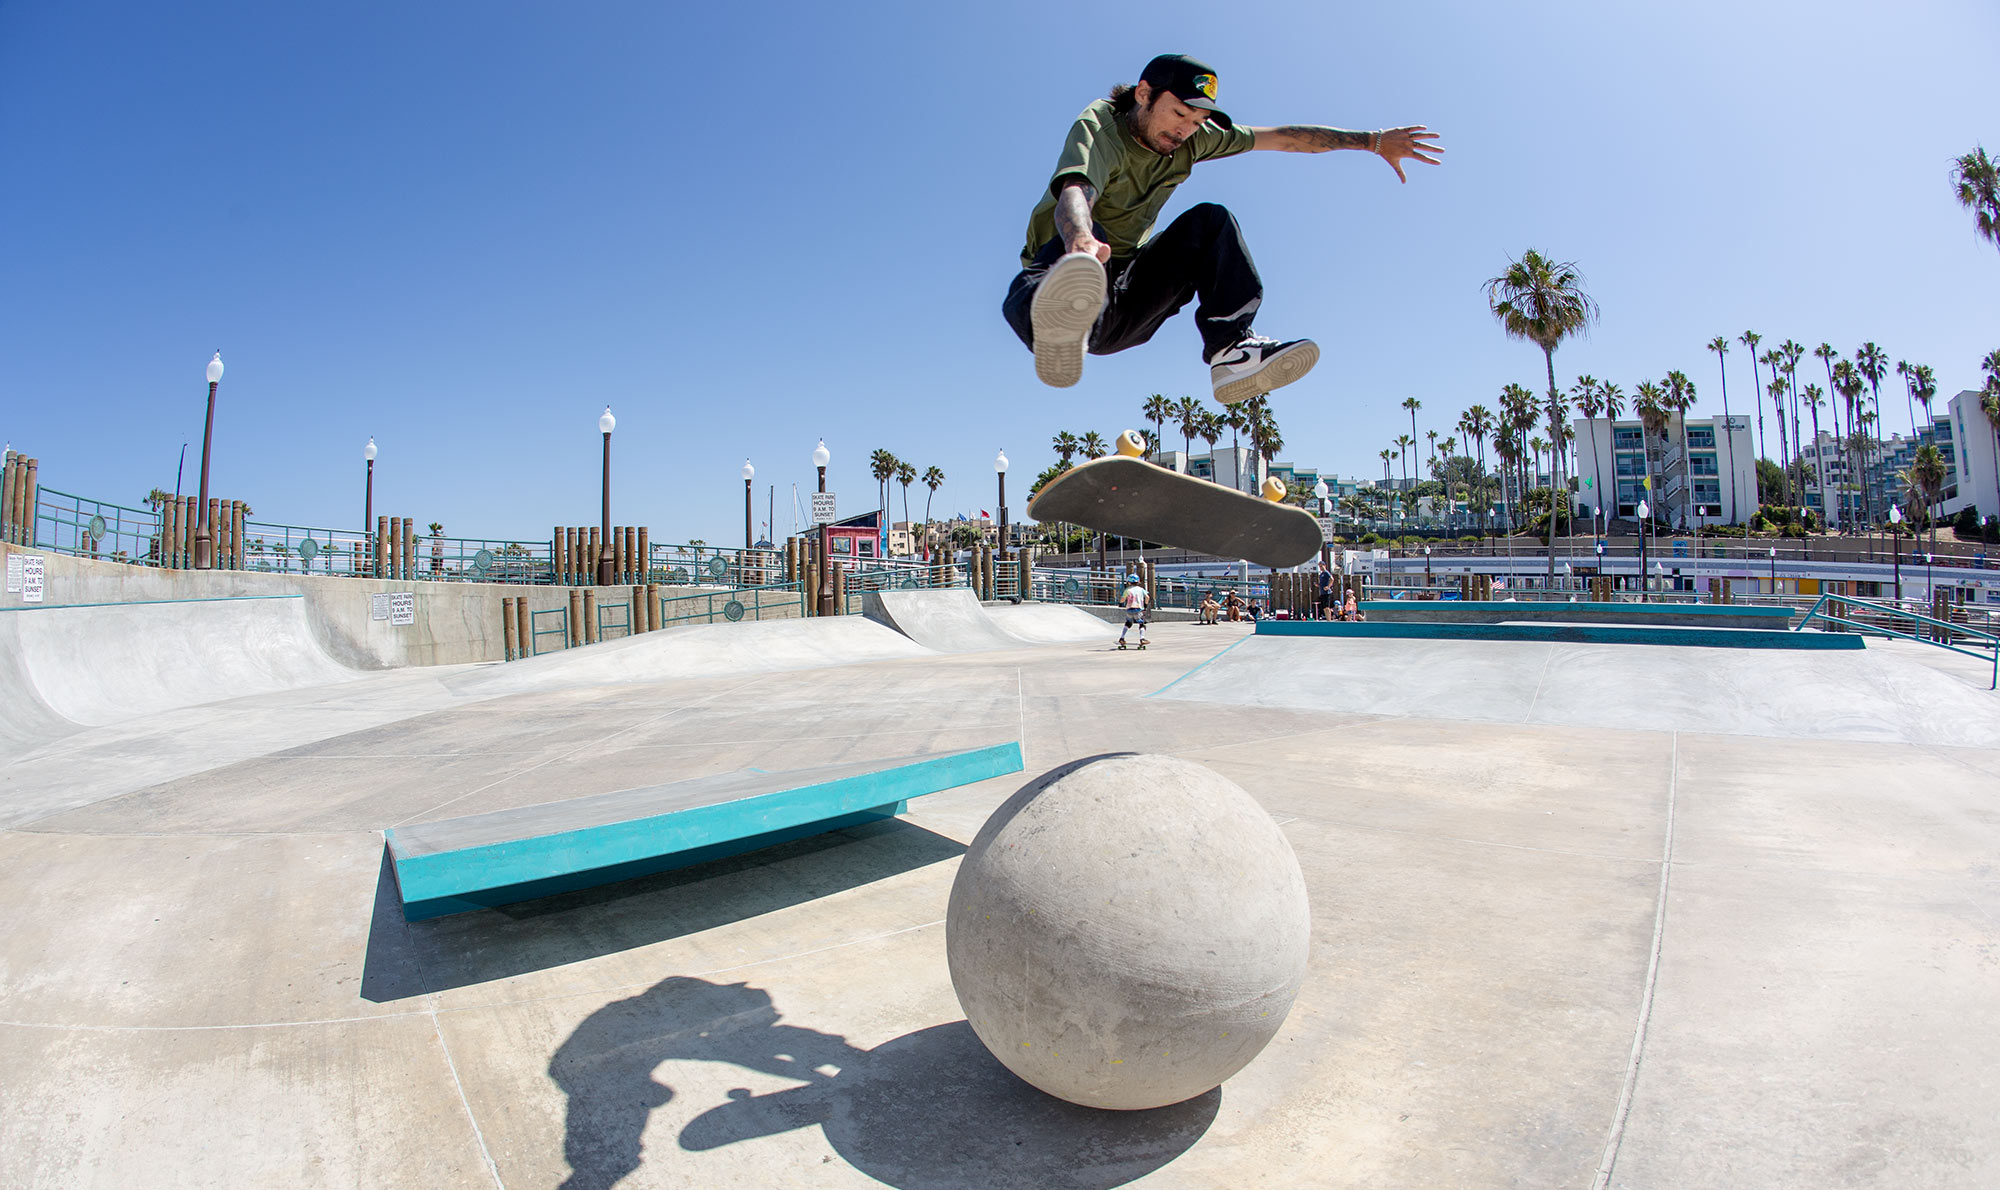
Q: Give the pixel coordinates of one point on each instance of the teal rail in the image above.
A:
(776, 601)
(1947, 629)
(557, 616)
(67, 524)
(614, 620)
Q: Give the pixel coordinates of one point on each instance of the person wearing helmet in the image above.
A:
(1134, 603)
(1095, 278)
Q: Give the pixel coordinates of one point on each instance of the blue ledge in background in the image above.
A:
(1596, 634)
(484, 860)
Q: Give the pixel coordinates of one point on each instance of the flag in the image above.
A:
(984, 513)
(1499, 584)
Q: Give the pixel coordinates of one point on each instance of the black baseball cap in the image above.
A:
(1190, 81)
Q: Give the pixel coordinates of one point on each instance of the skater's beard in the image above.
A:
(1144, 121)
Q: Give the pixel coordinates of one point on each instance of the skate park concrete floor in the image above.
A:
(1582, 915)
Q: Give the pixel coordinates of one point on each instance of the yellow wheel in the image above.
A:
(1131, 445)
(1274, 489)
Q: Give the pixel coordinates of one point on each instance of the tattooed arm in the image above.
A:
(1073, 219)
(1393, 145)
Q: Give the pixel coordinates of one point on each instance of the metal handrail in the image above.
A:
(1949, 628)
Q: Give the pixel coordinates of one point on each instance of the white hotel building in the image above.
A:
(1703, 472)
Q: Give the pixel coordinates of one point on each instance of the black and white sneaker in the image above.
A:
(1066, 306)
(1257, 364)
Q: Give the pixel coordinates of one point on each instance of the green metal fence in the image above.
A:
(87, 528)
(774, 601)
(558, 617)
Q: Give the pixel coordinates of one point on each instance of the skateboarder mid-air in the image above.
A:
(1094, 277)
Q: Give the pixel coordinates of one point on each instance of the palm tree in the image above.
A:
(883, 466)
(1432, 436)
(1870, 361)
(1265, 437)
(1065, 445)
(1790, 352)
(1403, 444)
(1209, 431)
(1386, 453)
(1237, 418)
(1679, 399)
(1976, 183)
(1187, 414)
(1826, 355)
(1093, 445)
(1157, 410)
(1476, 423)
(1776, 391)
(1846, 381)
(1544, 302)
(1517, 407)
(1923, 479)
(934, 479)
(1750, 339)
(1720, 346)
(1814, 398)
(1909, 393)
(1412, 404)
(1923, 386)
(906, 474)
(1649, 403)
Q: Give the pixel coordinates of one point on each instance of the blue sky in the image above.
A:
(465, 228)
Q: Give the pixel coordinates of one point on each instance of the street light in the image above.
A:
(1895, 546)
(605, 425)
(1000, 469)
(1645, 510)
(821, 457)
(368, 505)
(1774, 570)
(204, 542)
(749, 473)
(1320, 491)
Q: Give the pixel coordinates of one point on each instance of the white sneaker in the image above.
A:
(1257, 364)
(1066, 306)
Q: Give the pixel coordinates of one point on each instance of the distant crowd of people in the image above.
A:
(1216, 607)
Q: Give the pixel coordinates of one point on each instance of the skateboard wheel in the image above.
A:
(1274, 489)
(1131, 445)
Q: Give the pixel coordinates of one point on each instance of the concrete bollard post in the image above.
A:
(509, 644)
(590, 615)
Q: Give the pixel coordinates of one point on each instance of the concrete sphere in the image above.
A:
(1128, 931)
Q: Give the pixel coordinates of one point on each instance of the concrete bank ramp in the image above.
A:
(949, 620)
(99, 664)
(1889, 692)
(697, 651)
(1050, 623)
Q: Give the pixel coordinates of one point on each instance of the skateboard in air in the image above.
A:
(1124, 495)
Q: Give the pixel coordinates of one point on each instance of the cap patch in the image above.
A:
(1205, 83)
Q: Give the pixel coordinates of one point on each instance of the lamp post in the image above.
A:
(1774, 570)
(1000, 469)
(1427, 567)
(1320, 491)
(605, 425)
(1896, 546)
(368, 505)
(204, 542)
(821, 457)
(1645, 510)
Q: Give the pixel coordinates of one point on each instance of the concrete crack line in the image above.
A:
(1617, 1137)
(1539, 683)
(583, 748)
(485, 1154)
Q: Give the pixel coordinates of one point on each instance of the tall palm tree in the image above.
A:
(1826, 355)
(1976, 184)
(1387, 454)
(883, 466)
(1065, 445)
(1720, 346)
(1923, 479)
(1543, 302)
(1873, 364)
(1432, 436)
(1613, 399)
(1923, 386)
(1476, 423)
(906, 474)
(1789, 352)
(1403, 444)
(1679, 399)
(933, 479)
(1187, 414)
(1265, 437)
(1210, 431)
(1093, 445)
(1776, 392)
(1846, 381)
(1157, 410)
(1583, 394)
(1517, 407)
(1412, 405)
(1649, 403)
(1909, 394)
(1750, 339)
(1815, 397)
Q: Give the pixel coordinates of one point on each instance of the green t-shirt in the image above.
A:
(1131, 180)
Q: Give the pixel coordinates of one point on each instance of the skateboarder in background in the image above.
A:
(1094, 277)
(1134, 603)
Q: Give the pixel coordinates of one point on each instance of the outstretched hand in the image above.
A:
(1407, 144)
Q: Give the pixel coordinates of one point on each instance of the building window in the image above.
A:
(1628, 439)
(1701, 439)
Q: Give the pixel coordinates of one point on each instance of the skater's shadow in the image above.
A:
(928, 1109)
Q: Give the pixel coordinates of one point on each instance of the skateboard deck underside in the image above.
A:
(1133, 498)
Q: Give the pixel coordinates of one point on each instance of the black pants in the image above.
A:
(1199, 255)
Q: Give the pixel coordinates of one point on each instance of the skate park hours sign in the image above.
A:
(24, 574)
(822, 510)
